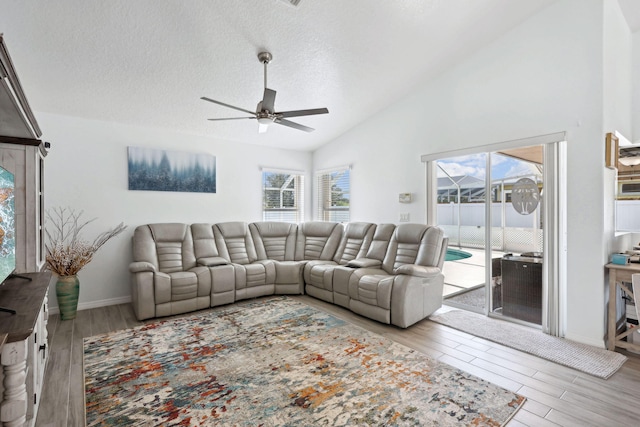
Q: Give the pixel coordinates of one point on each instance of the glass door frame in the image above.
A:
(553, 215)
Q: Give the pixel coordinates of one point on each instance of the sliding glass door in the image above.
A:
(461, 212)
(493, 207)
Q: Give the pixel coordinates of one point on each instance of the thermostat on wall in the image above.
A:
(405, 198)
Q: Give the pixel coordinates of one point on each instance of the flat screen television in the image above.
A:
(7, 225)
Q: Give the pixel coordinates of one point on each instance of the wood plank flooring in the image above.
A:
(556, 395)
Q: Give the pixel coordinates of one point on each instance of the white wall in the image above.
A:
(617, 107)
(635, 100)
(617, 70)
(86, 169)
(542, 77)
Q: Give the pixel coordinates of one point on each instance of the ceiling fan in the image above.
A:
(265, 112)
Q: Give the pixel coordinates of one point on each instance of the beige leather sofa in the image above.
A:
(392, 274)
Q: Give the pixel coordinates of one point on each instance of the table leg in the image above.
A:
(612, 312)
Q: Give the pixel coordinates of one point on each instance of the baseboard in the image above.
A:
(95, 304)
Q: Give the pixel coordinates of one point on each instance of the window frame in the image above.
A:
(332, 212)
(294, 214)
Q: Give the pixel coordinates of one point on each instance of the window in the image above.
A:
(334, 195)
(282, 196)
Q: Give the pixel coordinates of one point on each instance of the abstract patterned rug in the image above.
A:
(276, 362)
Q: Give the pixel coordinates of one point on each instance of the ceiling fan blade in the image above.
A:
(226, 105)
(298, 113)
(231, 118)
(293, 125)
(268, 100)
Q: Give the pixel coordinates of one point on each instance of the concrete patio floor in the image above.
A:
(465, 274)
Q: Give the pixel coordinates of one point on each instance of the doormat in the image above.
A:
(277, 362)
(591, 360)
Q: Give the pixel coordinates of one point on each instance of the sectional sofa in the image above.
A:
(389, 273)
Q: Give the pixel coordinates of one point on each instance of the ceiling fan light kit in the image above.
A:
(265, 112)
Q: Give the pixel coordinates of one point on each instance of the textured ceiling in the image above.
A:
(147, 62)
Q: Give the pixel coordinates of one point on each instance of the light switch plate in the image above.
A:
(404, 217)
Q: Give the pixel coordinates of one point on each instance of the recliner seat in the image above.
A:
(166, 278)
(371, 263)
(318, 274)
(276, 241)
(410, 280)
(254, 278)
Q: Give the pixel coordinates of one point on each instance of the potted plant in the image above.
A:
(67, 253)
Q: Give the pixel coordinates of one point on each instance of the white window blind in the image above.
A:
(334, 195)
(282, 196)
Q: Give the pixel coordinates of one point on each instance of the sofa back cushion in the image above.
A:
(318, 240)
(380, 242)
(234, 242)
(274, 240)
(414, 244)
(433, 248)
(168, 246)
(355, 241)
(204, 242)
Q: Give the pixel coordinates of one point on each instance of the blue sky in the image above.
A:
(474, 165)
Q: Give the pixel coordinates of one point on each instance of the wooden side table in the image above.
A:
(618, 276)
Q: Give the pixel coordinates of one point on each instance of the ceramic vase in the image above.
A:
(67, 290)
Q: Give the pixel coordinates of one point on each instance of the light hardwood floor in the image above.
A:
(556, 395)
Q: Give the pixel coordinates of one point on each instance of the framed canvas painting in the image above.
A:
(162, 170)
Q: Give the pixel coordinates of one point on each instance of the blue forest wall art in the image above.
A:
(162, 170)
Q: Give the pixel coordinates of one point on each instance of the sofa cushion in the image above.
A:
(355, 242)
(204, 245)
(317, 240)
(234, 242)
(288, 272)
(169, 247)
(184, 285)
(274, 240)
(380, 242)
(431, 247)
(374, 289)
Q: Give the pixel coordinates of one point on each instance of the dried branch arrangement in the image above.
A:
(67, 251)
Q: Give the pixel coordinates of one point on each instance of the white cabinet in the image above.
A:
(23, 357)
(26, 163)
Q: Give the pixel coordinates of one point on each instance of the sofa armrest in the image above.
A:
(364, 263)
(212, 261)
(417, 270)
(140, 266)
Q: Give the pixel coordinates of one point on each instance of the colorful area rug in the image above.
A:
(588, 359)
(277, 362)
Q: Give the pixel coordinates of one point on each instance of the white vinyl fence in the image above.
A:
(516, 233)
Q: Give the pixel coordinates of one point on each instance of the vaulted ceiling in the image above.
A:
(147, 62)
